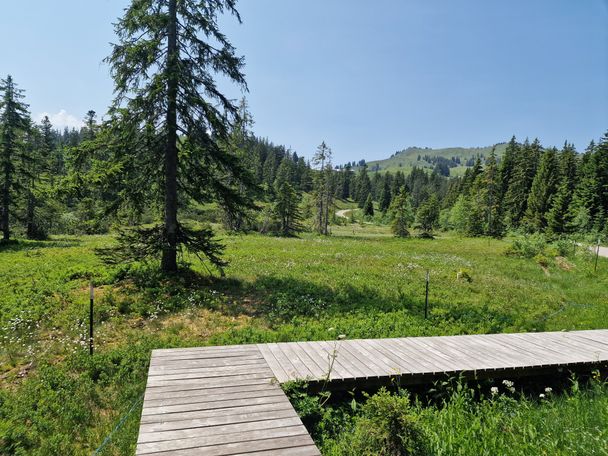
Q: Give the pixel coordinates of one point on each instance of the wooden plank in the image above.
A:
(265, 385)
(207, 398)
(205, 362)
(486, 354)
(219, 382)
(387, 366)
(286, 443)
(288, 367)
(217, 420)
(363, 355)
(274, 364)
(339, 371)
(185, 356)
(198, 381)
(399, 363)
(208, 372)
(165, 417)
(218, 439)
(210, 405)
(223, 349)
(308, 450)
(561, 355)
(302, 371)
(316, 370)
(419, 362)
(227, 401)
(543, 357)
(352, 362)
(443, 362)
(218, 429)
(589, 348)
(457, 354)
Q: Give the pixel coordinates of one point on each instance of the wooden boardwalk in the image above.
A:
(228, 400)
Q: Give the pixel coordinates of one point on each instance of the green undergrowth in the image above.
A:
(360, 282)
(464, 419)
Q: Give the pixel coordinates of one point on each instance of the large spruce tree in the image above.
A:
(544, 186)
(14, 125)
(169, 119)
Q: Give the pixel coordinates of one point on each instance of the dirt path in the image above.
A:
(342, 213)
(603, 251)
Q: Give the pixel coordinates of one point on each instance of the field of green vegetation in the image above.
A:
(360, 282)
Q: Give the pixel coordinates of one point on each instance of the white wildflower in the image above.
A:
(548, 390)
(541, 395)
(494, 390)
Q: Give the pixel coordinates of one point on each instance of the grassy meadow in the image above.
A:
(360, 282)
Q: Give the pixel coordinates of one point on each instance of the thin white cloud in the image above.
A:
(62, 119)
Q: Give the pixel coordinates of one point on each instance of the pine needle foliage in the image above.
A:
(169, 120)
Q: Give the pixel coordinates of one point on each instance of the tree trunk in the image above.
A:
(169, 260)
(6, 200)
(31, 229)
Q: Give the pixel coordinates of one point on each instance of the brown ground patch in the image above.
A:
(563, 263)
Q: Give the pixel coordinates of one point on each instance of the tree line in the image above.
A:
(172, 143)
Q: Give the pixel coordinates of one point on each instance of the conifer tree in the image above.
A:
(323, 189)
(169, 120)
(287, 211)
(507, 165)
(601, 165)
(585, 200)
(347, 182)
(490, 197)
(542, 191)
(398, 183)
(37, 167)
(460, 215)
(238, 144)
(285, 173)
(524, 170)
(559, 217)
(368, 207)
(427, 215)
(364, 187)
(14, 125)
(403, 214)
(385, 197)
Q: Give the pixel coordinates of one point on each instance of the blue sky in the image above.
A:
(368, 77)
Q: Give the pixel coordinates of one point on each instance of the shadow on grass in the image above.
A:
(281, 299)
(18, 245)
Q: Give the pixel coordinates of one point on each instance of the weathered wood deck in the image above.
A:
(227, 400)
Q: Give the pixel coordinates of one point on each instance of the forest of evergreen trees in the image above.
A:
(56, 182)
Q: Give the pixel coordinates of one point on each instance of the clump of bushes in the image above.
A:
(387, 426)
(537, 247)
(528, 246)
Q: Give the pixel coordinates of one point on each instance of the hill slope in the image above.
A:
(456, 158)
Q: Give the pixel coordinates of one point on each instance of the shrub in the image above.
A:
(388, 426)
(564, 247)
(542, 260)
(528, 246)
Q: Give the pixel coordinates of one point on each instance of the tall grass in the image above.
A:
(361, 282)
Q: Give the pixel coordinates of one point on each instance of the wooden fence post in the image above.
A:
(426, 298)
(91, 299)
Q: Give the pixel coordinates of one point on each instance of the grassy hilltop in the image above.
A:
(406, 159)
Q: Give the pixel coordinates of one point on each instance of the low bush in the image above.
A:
(528, 246)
